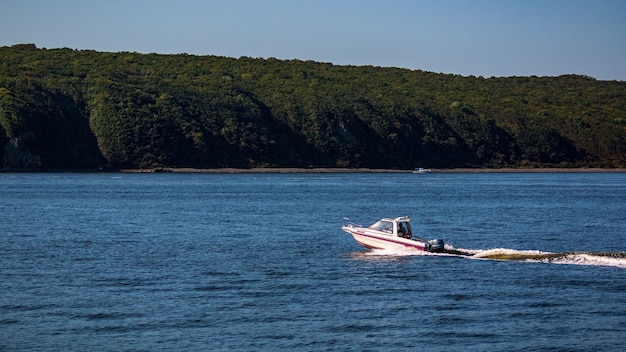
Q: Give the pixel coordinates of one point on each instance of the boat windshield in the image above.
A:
(382, 225)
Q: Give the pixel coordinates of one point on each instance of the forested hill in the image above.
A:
(71, 109)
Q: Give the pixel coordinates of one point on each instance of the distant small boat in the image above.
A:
(421, 170)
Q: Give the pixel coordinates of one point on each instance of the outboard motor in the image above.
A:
(436, 245)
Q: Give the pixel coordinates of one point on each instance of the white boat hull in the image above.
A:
(374, 240)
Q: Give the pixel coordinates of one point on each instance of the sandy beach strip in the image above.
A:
(367, 170)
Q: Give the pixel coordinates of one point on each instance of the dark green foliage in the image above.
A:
(69, 109)
(46, 129)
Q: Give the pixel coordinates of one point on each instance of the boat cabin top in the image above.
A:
(399, 227)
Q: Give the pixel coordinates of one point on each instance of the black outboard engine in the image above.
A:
(435, 246)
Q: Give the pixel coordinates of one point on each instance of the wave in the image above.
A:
(614, 259)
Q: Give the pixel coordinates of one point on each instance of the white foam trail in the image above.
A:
(494, 252)
(576, 258)
(617, 259)
(590, 259)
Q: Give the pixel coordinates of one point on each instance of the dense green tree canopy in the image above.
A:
(71, 109)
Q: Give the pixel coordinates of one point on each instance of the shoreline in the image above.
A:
(295, 170)
(367, 170)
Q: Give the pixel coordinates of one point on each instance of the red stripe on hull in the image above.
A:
(421, 248)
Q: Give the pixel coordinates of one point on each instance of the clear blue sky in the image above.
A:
(467, 37)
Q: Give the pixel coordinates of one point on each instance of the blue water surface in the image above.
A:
(221, 262)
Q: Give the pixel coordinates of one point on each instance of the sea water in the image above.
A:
(221, 262)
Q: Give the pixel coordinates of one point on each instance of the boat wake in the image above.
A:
(614, 259)
(617, 259)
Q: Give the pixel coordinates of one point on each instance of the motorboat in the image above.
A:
(421, 170)
(391, 233)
